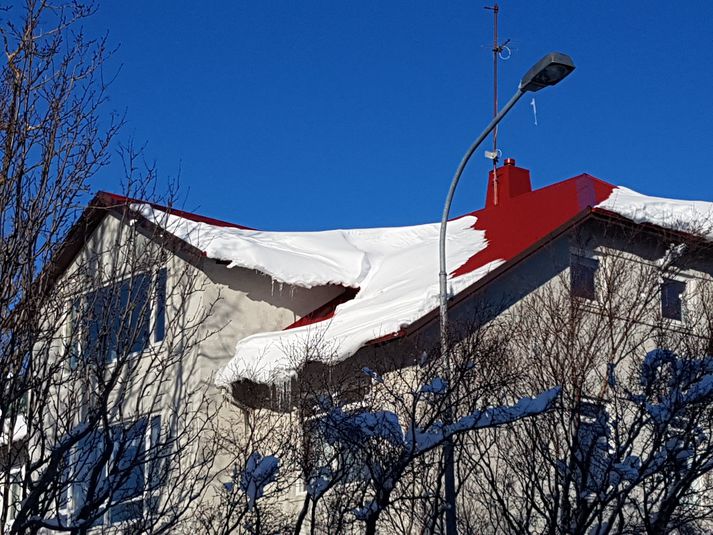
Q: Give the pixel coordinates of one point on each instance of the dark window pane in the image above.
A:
(582, 273)
(160, 329)
(671, 304)
(88, 469)
(116, 301)
(140, 323)
(75, 333)
(128, 471)
(103, 313)
(84, 478)
(157, 461)
(129, 468)
(126, 511)
(92, 311)
(118, 319)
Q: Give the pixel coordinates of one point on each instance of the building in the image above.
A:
(182, 311)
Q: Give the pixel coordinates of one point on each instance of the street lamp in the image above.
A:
(550, 70)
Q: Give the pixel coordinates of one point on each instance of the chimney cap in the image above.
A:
(510, 161)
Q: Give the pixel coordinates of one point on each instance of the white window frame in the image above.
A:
(152, 342)
(19, 473)
(145, 495)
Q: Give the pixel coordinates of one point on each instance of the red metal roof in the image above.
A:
(512, 226)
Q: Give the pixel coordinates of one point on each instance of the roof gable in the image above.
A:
(101, 205)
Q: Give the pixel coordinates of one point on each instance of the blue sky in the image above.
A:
(313, 115)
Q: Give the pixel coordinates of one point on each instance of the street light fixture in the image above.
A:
(550, 70)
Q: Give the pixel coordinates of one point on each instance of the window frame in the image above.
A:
(673, 282)
(580, 259)
(16, 475)
(310, 430)
(149, 493)
(157, 298)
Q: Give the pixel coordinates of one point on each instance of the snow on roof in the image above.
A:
(395, 269)
(693, 217)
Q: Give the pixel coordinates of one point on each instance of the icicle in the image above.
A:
(281, 393)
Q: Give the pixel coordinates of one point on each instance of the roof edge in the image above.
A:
(112, 199)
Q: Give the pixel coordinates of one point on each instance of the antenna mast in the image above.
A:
(497, 51)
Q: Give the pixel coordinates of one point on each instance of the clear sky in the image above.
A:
(307, 115)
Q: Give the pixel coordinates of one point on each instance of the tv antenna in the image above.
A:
(500, 52)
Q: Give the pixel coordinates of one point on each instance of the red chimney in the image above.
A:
(511, 181)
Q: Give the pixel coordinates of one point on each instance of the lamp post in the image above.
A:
(550, 70)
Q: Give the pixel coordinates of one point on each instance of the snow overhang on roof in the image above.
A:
(690, 217)
(395, 270)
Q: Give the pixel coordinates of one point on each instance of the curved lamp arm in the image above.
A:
(550, 70)
(442, 273)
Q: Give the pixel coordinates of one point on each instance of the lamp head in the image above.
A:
(550, 70)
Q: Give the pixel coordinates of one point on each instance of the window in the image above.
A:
(160, 314)
(116, 319)
(74, 332)
(14, 494)
(123, 479)
(129, 446)
(86, 487)
(592, 446)
(336, 445)
(582, 276)
(671, 302)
